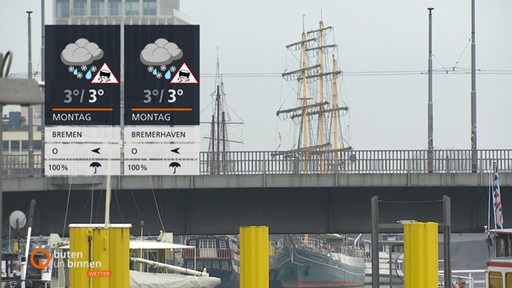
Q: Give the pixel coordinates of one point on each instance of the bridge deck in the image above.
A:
(288, 201)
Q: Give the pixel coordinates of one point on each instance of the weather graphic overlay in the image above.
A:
(82, 107)
(82, 70)
(162, 70)
(161, 111)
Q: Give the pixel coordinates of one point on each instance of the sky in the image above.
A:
(383, 53)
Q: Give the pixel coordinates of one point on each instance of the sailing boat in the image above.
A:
(329, 260)
(318, 112)
(219, 142)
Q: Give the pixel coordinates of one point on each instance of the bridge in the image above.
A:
(288, 192)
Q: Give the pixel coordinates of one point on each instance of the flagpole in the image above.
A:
(494, 197)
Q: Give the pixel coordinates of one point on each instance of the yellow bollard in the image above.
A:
(254, 260)
(80, 241)
(120, 255)
(99, 256)
(420, 255)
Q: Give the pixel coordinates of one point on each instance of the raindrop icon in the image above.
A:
(75, 72)
(168, 74)
(88, 75)
(154, 72)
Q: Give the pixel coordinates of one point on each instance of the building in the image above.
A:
(106, 12)
(16, 131)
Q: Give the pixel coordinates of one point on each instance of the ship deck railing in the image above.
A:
(207, 253)
(317, 162)
(465, 278)
(319, 245)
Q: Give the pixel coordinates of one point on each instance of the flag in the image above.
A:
(496, 196)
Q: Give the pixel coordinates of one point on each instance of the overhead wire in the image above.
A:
(444, 70)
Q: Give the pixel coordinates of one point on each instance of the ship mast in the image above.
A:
(321, 116)
(316, 103)
(219, 143)
(335, 119)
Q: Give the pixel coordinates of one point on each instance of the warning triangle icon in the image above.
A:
(184, 76)
(104, 76)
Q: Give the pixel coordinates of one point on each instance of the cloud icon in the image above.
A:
(82, 52)
(162, 52)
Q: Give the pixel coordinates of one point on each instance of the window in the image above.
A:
(62, 8)
(115, 8)
(207, 243)
(225, 265)
(495, 279)
(132, 8)
(508, 280)
(15, 146)
(190, 265)
(97, 8)
(37, 144)
(80, 8)
(222, 244)
(149, 7)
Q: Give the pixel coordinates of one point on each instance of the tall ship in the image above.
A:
(326, 260)
(319, 113)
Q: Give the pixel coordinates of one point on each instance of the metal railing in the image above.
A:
(357, 161)
(353, 161)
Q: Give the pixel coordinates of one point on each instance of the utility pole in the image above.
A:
(474, 164)
(430, 113)
(30, 109)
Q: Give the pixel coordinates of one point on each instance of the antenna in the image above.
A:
(17, 219)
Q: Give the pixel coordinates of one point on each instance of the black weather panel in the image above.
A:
(162, 75)
(82, 75)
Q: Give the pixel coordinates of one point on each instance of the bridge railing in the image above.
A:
(353, 161)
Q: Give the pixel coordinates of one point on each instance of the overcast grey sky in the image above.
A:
(387, 110)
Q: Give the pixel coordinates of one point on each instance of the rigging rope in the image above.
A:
(67, 206)
(156, 203)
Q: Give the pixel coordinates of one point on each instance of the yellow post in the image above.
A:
(420, 255)
(432, 253)
(79, 239)
(254, 257)
(92, 247)
(99, 268)
(120, 255)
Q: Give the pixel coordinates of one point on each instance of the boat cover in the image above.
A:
(168, 280)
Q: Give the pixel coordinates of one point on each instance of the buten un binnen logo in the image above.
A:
(41, 265)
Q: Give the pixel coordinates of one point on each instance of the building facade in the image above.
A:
(106, 12)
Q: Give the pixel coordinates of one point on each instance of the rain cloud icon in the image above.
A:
(160, 53)
(81, 53)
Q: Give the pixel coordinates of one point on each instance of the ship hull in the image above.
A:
(304, 268)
